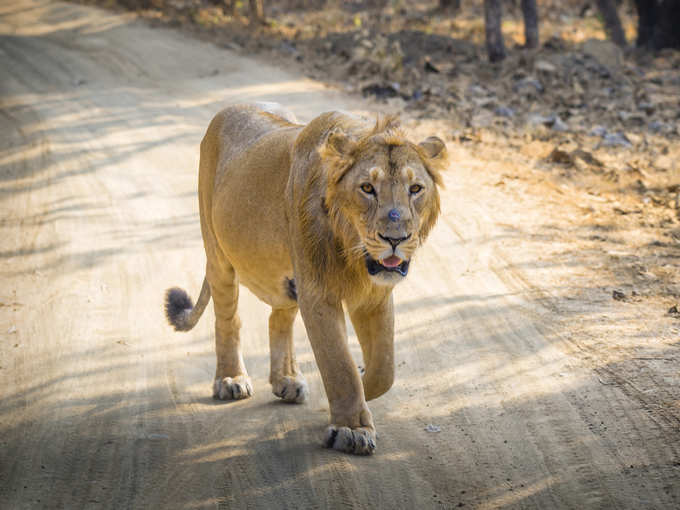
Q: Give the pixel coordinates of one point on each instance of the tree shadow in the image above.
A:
(520, 426)
(521, 422)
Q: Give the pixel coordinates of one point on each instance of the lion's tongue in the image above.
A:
(391, 261)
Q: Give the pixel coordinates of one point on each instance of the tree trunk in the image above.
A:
(530, 13)
(647, 18)
(667, 31)
(658, 22)
(256, 11)
(492, 24)
(612, 22)
(449, 5)
(231, 8)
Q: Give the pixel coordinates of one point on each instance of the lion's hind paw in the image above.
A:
(236, 388)
(359, 441)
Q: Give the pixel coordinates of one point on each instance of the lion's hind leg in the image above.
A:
(231, 378)
(287, 381)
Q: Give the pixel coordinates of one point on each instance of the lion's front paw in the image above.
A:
(236, 388)
(291, 389)
(359, 441)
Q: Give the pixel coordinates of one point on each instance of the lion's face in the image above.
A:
(385, 202)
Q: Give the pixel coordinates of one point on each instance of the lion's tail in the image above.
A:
(179, 309)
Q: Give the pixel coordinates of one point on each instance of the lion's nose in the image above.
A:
(394, 215)
(394, 241)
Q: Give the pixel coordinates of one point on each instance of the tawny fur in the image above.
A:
(283, 214)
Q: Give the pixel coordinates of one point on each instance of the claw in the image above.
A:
(330, 441)
(354, 441)
(228, 388)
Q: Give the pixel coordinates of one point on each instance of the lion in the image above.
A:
(311, 217)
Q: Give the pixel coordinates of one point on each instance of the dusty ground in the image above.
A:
(545, 390)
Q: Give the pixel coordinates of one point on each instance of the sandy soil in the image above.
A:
(521, 383)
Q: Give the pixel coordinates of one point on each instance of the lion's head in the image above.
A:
(381, 196)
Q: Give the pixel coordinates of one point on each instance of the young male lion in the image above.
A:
(311, 217)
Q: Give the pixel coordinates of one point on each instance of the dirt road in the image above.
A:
(103, 406)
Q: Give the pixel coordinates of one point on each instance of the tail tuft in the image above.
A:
(178, 308)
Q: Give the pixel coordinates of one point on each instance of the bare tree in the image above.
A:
(612, 22)
(658, 22)
(492, 26)
(449, 5)
(647, 19)
(229, 6)
(256, 10)
(530, 13)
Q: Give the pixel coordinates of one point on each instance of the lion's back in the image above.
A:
(243, 189)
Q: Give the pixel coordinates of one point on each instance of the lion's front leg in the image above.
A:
(351, 428)
(374, 325)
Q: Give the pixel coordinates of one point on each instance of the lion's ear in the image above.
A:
(340, 142)
(433, 147)
(336, 152)
(435, 156)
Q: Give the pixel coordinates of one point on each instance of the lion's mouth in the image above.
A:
(391, 263)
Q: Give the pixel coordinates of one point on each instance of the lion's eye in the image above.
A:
(368, 188)
(415, 188)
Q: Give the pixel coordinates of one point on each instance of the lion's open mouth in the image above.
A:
(392, 263)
